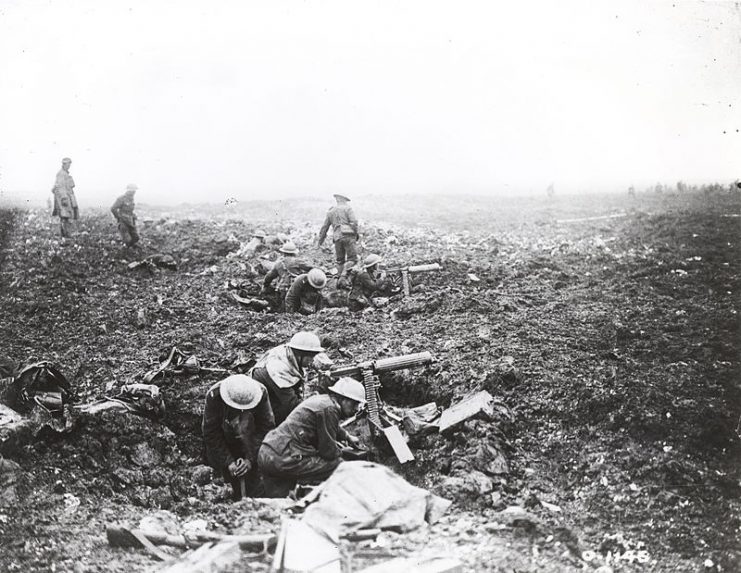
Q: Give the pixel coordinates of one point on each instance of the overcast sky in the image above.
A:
(200, 101)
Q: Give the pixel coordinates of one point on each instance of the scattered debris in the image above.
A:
(417, 565)
(158, 260)
(480, 404)
(302, 548)
(360, 495)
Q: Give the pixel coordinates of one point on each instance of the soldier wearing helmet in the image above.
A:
(364, 283)
(236, 417)
(304, 448)
(344, 233)
(285, 269)
(123, 211)
(283, 371)
(305, 295)
(65, 202)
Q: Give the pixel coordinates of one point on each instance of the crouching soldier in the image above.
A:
(285, 269)
(365, 284)
(236, 418)
(123, 211)
(304, 449)
(305, 295)
(283, 371)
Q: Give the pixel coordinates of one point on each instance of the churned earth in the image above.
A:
(607, 325)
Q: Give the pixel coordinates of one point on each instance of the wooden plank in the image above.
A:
(304, 549)
(398, 444)
(480, 403)
(417, 565)
(207, 559)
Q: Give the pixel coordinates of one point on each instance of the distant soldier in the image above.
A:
(344, 233)
(65, 202)
(285, 269)
(364, 283)
(283, 371)
(236, 417)
(305, 448)
(305, 295)
(123, 211)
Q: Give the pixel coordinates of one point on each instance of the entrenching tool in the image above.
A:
(368, 373)
(124, 537)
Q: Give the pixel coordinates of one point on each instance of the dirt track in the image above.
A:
(614, 341)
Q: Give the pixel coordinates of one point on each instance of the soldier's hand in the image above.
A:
(354, 441)
(240, 467)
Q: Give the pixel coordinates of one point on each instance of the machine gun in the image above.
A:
(368, 373)
(404, 272)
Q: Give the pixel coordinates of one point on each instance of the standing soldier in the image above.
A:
(285, 269)
(305, 295)
(236, 418)
(344, 233)
(65, 203)
(123, 211)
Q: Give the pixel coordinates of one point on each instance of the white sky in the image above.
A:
(199, 101)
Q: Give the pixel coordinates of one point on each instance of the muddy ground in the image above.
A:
(613, 341)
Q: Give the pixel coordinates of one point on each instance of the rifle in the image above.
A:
(406, 271)
(368, 373)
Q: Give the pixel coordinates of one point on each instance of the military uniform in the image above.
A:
(286, 269)
(230, 434)
(302, 297)
(344, 234)
(282, 375)
(362, 288)
(65, 202)
(123, 210)
(304, 448)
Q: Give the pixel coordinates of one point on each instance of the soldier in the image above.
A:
(364, 284)
(305, 295)
(65, 202)
(285, 269)
(344, 233)
(123, 211)
(304, 448)
(236, 418)
(282, 370)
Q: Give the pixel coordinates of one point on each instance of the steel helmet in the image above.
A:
(349, 388)
(131, 187)
(289, 248)
(317, 278)
(240, 391)
(306, 341)
(371, 260)
(341, 197)
(260, 234)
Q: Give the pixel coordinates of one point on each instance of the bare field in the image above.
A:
(608, 325)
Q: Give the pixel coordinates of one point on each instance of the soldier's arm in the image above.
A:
(58, 182)
(264, 422)
(213, 435)
(353, 220)
(328, 424)
(271, 276)
(116, 207)
(324, 229)
(293, 297)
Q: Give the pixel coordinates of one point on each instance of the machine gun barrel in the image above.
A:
(416, 268)
(383, 365)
